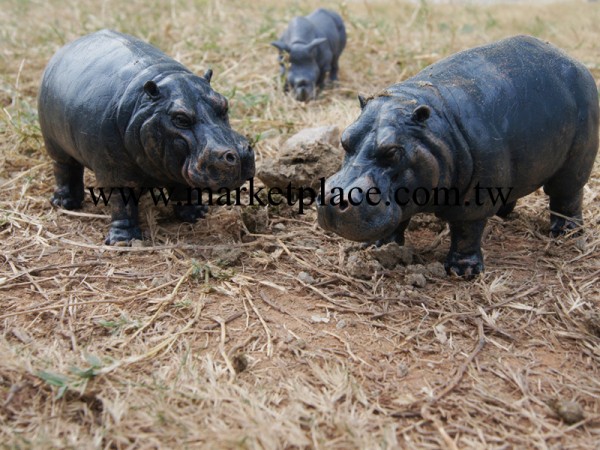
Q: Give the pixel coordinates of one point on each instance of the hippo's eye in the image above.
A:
(346, 143)
(386, 155)
(223, 109)
(181, 120)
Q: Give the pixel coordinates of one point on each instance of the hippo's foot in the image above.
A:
(190, 213)
(560, 226)
(331, 83)
(464, 265)
(66, 198)
(122, 232)
(465, 258)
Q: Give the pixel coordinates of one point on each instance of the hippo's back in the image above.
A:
(330, 25)
(517, 100)
(85, 84)
(520, 71)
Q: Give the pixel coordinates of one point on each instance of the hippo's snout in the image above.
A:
(222, 166)
(360, 214)
(303, 90)
(301, 94)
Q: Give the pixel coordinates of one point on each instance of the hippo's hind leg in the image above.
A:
(565, 188)
(565, 209)
(124, 225)
(465, 258)
(68, 174)
(397, 236)
(333, 73)
(188, 204)
(506, 209)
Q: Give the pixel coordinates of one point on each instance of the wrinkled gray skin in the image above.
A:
(137, 118)
(314, 44)
(516, 114)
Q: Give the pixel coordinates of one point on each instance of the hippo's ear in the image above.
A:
(281, 46)
(362, 101)
(315, 42)
(151, 89)
(421, 113)
(208, 75)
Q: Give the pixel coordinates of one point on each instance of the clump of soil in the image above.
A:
(392, 254)
(360, 267)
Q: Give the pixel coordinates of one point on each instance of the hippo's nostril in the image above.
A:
(344, 205)
(230, 158)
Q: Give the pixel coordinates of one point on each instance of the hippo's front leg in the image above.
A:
(69, 185)
(281, 59)
(565, 213)
(397, 236)
(188, 205)
(323, 76)
(465, 258)
(124, 223)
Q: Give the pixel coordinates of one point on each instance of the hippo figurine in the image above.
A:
(137, 118)
(314, 44)
(464, 139)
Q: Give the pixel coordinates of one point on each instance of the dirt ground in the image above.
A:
(251, 328)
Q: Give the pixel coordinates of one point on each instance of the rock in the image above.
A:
(341, 324)
(592, 322)
(306, 157)
(391, 254)
(402, 370)
(416, 279)
(239, 362)
(319, 319)
(306, 277)
(570, 412)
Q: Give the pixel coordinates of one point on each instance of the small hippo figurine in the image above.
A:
(314, 44)
(464, 139)
(137, 118)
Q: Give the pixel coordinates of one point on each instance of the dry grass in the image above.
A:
(209, 338)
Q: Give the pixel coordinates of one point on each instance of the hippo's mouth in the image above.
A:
(228, 169)
(202, 181)
(356, 225)
(221, 180)
(304, 94)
